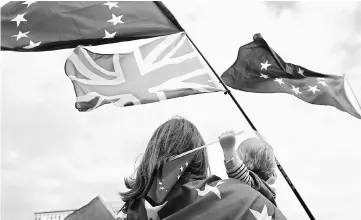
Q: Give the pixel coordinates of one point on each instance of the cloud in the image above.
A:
(350, 47)
(65, 157)
(279, 7)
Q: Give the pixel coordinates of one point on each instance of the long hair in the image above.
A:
(172, 138)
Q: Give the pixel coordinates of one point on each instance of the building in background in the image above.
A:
(52, 215)
(62, 214)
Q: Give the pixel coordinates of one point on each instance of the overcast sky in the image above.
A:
(54, 157)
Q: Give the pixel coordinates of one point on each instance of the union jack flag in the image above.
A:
(165, 68)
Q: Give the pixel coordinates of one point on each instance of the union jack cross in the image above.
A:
(165, 68)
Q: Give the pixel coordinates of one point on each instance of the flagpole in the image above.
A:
(254, 128)
(201, 147)
(349, 85)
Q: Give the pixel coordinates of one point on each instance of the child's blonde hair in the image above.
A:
(259, 157)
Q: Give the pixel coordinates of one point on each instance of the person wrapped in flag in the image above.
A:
(169, 187)
(257, 168)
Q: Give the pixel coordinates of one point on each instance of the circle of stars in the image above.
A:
(114, 20)
(20, 19)
(321, 82)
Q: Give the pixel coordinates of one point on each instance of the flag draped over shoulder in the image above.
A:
(165, 68)
(94, 210)
(51, 25)
(171, 198)
(259, 69)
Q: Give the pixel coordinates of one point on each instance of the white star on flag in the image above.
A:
(28, 3)
(20, 35)
(296, 90)
(322, 83)
(161, 188)
(111, 4)
(261, 215)
(186, 163)
(208, 188)
(116, 19)
(265, 65)
(264, 76)
(181, 168)
(300, 71)
(19, 18)
(107, 35)
(152, 212)
(160, 183)
(178, 176)
(32, 45)
(279, 80)
(313, 89)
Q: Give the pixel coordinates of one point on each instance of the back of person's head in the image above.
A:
(259, 157)
(172, 138)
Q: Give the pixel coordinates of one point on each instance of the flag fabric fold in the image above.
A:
(172, 196)
(52, 25)
(167, 178)
(260, 69)
(165, 68)
(94, 210)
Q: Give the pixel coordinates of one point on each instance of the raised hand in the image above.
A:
(228, 144)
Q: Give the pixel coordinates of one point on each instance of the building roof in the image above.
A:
(115, 205)
(56, 211)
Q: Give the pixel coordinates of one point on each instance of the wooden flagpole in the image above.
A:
(199, 148)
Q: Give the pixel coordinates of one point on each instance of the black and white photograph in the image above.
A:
(180, 110)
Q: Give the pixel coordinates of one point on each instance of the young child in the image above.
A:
(253, 163)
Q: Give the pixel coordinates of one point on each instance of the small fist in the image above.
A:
(227, 140)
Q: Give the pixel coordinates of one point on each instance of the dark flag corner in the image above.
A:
(94, 210)
(53, 25)
(164, 181)
(259, 69)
